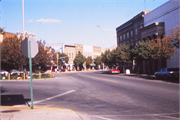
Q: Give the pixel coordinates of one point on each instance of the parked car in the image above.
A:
(167, 73)
(15, 72)
(4, 73)
(113, 71)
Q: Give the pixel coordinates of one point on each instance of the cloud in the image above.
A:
(48, 20)
(30, 20)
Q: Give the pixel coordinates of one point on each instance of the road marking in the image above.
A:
(102, 118)
(98, 78)
(62, 94)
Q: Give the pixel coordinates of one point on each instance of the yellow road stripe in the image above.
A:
(98, 78)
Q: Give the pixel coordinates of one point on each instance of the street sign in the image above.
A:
(29, 48)
(25, 47)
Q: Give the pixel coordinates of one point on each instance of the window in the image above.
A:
(131, 33)
(127, 34)
(136, 31)
(121, 38)
(124, 36)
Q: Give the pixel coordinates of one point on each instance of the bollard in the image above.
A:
(9, 77)
(50, 74)
(24, 76)
(39, 75)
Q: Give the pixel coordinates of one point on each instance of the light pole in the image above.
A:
(23, 18)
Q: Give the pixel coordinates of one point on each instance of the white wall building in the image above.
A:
(169, 13)
(88, 51)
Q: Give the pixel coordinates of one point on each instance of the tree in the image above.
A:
(42, 58)
(11, 55)
(107, 58)
(79, 60)
(88, 61)
(151, 50)
(123, 55)
(98, 60)
(174, 36)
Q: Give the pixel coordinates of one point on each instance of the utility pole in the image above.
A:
(23, 18)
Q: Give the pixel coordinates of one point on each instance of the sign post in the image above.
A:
(29, 48)
(30, 67)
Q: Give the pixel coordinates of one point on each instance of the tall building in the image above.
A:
(150, 25)
(160, 22)
(129, 33)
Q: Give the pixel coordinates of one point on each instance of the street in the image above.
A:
(97, 96)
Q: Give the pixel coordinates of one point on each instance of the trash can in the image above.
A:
(127, 71)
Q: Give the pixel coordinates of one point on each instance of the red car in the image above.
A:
(113, 71)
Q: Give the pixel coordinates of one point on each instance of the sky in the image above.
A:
(88, 22)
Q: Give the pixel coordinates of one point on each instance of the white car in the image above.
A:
(4, 73)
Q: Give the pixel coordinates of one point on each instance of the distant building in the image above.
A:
(96, 51)
(88, 51)
(70, 51)
(78, 48)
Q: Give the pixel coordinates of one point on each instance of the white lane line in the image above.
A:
(102, 118)
(68, 92)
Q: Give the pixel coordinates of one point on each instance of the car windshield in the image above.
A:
(173, 69)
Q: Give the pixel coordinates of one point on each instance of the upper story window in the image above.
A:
(121, 38)
(127, 34)
(131, 33)
(136, 31)
(124, 36)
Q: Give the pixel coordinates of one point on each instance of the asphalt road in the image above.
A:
(97, 96)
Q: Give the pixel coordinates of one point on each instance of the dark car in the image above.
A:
(167, 73)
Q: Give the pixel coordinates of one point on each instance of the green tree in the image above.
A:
(108, 58)
(60, 61)
(123, 55)
(98, 60)
(88, 61)
(79, 60)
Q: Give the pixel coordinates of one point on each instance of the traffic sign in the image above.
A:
(25, 47)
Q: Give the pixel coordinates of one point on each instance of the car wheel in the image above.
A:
(156, 76)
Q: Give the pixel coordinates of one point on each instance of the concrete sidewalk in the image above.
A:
(38, 113)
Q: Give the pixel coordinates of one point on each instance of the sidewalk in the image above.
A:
(38, 113)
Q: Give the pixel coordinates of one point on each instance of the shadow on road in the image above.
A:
(150, 77)
(10, 100)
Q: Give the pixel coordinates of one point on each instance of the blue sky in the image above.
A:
(89, 22)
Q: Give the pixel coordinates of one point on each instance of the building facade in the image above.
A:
(129, 33)
(96, 51)
(78, 48)
(70, 51)
(88, 51)
(160, 22)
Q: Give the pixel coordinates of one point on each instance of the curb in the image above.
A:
(7, 112)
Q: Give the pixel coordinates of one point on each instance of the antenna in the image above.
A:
(145, 4)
